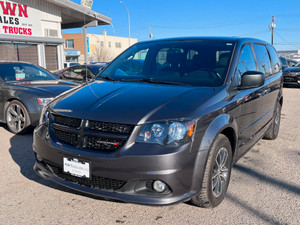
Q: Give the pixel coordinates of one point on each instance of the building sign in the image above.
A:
(72, 52)
(88, 44)
(19, 19)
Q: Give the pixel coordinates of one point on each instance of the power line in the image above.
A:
(209, 26)
(289, 29)
(293, 44)
(254, 33)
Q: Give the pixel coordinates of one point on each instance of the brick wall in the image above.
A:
(78, 41)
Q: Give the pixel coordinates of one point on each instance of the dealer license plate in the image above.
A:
(77, 167)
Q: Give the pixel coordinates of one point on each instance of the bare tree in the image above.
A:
(102, 54)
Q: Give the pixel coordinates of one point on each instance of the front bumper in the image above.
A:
(291, 79)
(127, 176)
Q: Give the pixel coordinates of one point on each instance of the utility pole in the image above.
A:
(150, 34)
(272, 26)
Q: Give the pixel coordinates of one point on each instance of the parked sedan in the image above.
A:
(80, 73)
(24, 90)
(291, 75)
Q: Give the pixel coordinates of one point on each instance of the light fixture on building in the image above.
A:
(87, 3)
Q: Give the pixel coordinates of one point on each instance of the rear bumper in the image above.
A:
(138, 172)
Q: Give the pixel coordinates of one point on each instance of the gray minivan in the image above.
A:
(164, 122)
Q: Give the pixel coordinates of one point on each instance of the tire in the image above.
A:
(273, 131)
(17, 117)
(217, 175)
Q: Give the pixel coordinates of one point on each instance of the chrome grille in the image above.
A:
(85, 134)
(66, 137)
(110, 127)
(67, 121)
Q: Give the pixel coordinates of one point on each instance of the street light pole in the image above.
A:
(128, 22)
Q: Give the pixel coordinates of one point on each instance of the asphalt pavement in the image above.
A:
(264, 187)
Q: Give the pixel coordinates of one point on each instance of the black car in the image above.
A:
(25, 89)
(169, 127)
(288, 62)
(291, 75)
(292, 62)
(80, 73)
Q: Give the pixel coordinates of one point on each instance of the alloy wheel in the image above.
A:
(220, 172)
(16, 118)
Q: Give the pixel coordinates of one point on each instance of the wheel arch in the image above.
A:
(223, 124)
(281, 100)
(9, 101)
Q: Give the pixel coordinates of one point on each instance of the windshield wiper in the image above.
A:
(149, 80)
(105, 78)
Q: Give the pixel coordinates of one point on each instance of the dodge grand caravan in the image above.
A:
(164, 122)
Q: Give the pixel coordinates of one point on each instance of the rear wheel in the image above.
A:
(217, 174)
(17, 118)
(273, 131)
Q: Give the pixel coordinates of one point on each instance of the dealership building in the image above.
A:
(31, 30)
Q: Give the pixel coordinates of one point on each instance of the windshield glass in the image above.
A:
(196, 63)
(12, 72)
(297, 64)
(95, 68)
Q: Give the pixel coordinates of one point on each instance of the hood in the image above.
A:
(291, 69)
(46, 87)
(131, 103)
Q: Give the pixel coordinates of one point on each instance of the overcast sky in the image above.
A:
(178, 18)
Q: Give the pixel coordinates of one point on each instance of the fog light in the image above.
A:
(298, 81)
(159, 186)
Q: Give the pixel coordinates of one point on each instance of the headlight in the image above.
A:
(167, 132)
(44, 119)
(44, 101)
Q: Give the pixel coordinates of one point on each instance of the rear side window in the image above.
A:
(275, 59)
(263, 59)
(246, 63)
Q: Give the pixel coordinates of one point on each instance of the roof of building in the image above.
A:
(75, 15)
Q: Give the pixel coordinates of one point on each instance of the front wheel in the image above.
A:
(217, 174)
(17, 118)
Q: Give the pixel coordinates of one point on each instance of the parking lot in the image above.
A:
(264, 188)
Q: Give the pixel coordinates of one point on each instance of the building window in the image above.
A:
(118, 45)
(19, 52)
(101, 43)
(109, 44)
(51, 57)
(70, 43)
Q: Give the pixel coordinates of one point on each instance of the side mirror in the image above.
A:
(252, 79)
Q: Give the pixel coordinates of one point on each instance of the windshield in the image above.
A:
(95, 68)
(14, 72)
(196, 63)
(297, 64)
